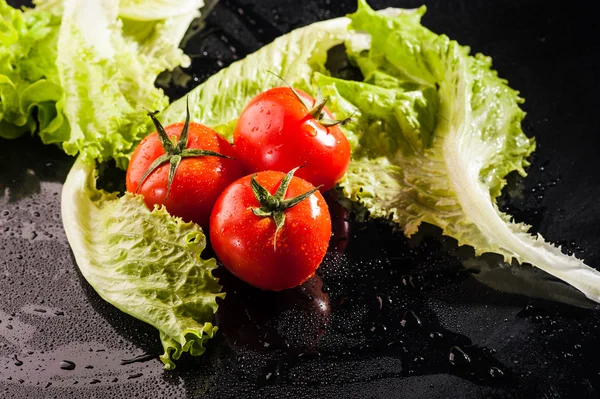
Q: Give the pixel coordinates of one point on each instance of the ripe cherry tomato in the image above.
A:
(276, 131)
(246, 239)
(197, 181)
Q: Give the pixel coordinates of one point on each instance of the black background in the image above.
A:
(395, 311)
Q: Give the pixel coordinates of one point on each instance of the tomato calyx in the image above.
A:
(175, 151)
(316, 110)
(275, 205)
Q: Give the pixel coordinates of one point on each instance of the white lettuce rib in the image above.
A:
(463, 153)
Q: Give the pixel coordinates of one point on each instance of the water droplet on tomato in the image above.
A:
(311, 127)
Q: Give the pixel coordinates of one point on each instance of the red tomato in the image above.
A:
(198, 180)
(276, 132)
(244, 242)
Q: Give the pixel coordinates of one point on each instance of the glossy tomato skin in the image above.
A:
(276, 132)
(198, 181)
(243, 242)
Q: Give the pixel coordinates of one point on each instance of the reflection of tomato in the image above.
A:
(305, 314)
(277, 132)
(294, 319)
(340, 226)
(251, 247)
(198, 180)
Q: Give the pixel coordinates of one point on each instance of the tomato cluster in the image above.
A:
(271, 227)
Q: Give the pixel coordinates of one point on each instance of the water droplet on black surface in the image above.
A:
(408, 281)
(378, 303)
(271, 372)
(458, 357)
(378, 328)
(17, 362)
(495, 372)
(410, 320)
(67, 365)
(304, 294)
(139, 359)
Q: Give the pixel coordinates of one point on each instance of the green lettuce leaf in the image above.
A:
(89, 70)
(108, 75)
(436, 133)
(146, 263)
(149, 10)
(28, 75)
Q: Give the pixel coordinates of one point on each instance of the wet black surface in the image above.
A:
(389, 317)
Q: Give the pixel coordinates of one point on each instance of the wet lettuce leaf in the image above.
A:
(80, 73)
(150, 10)
(437, 132)
(28, 75)
(146, 263)
(434, 135)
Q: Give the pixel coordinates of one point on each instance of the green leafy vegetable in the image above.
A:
(149, 10)
(146, 263)
(435, 134)
(28, 75)
(439, 131)
(88, 70)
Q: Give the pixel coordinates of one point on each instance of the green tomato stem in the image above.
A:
(175, 151)
(275, 205)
